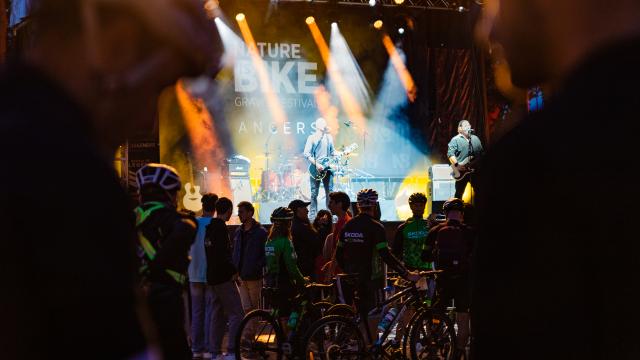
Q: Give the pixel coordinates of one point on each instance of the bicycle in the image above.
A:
(337, 337)
(262, 336)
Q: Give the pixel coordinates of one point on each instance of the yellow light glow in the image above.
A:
(378, 24)
(405, 77)
(416, 181)
(240, 17)
(275, 108)
(349, 102)
(310, 20)
(399, 2)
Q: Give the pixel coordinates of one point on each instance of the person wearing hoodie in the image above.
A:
(304, 237)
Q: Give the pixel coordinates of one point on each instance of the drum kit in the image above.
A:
(290, 179)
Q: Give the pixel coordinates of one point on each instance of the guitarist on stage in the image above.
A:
(319, 145)
(464, 148)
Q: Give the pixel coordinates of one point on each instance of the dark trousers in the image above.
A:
(462, 184)
(327, 181)
(167, 312)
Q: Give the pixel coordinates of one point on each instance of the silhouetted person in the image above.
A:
(90, 78)
(557, 257)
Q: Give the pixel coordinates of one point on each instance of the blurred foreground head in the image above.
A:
(544, 40)
(114, 57)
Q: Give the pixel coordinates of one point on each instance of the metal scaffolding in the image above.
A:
(415, 4)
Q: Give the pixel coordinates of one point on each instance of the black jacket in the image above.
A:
(248, 251)
(67, 243)
(305, 242)
(217, 247)
(171, 233)
(558, 211)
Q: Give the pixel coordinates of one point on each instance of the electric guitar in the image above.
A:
(458, 173)
(329, 163)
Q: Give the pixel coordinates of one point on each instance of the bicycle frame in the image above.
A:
(413, 295)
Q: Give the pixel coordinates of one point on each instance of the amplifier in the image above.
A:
(239, 167)
(440, 172)
(441, 190)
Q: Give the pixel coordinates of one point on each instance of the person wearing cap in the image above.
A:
(304, 237)
(450, 245)
(88, 79)
(362, 247)
(165, 236)
(282, 272)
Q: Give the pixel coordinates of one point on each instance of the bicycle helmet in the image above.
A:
(281, 214)
(367, 198)
(161, 175)
(417, 198)
(453, 204)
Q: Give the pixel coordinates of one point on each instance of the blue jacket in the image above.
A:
(248, 251)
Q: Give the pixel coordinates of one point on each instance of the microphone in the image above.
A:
(471, 131)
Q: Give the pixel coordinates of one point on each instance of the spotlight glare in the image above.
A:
(310, 20)
(399, 2)
(401, 31)
(334, 24)
(461, 9)
(377, 24)
(372, 2)
(240, 17)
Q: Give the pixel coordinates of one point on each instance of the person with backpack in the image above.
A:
(165, 236)
(450, 245)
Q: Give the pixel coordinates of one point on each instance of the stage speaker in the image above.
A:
(440, 172)
(441, 190)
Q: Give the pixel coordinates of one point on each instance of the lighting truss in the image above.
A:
(416, 4)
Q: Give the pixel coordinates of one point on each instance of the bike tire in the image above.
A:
(334, 337)
(432, 336)
(265, 342)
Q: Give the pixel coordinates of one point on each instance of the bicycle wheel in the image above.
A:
(342, 310)
(259, 337)
(432, 337)
(406, 352)
(320, 309)
(334, 338)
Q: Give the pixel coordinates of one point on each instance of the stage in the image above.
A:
(391, 84)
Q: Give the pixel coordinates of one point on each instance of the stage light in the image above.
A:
(401, 31)
(399, 2)
(372, 2)
(240, 17)
(310, 20)
(377, 24)
(461, 9)
(334, 24)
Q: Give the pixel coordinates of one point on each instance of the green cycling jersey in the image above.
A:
(282, 262)
(410, 242)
